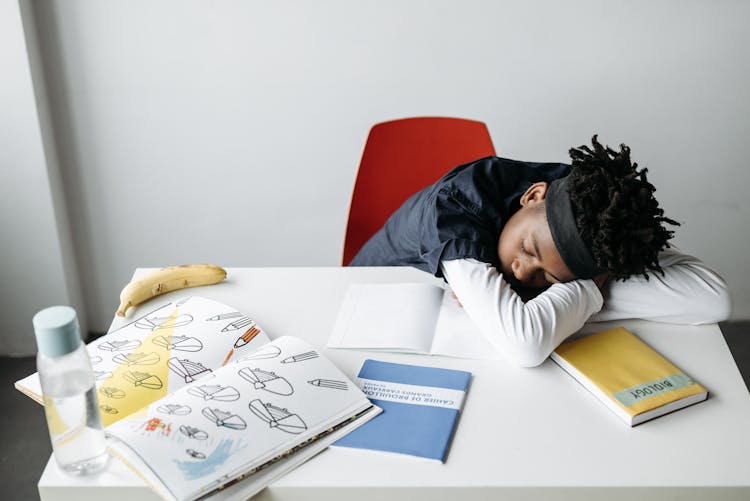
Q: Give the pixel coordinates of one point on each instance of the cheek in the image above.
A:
(505, 252)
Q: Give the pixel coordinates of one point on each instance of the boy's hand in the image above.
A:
(453, 294)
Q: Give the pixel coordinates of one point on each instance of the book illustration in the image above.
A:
(224, 418)
(247, 337)
(329, 383)
(242, 341)
(122, 345)
(157, 425)
(300, 357)
(187, 369)
(140, 318)
(95, 359)
(269, 351)
(171, 322)
(175, 409)
(277, 417)
(237, 324)
(195, 454)
(213, 461)
(266, 380)
(191, 432)
(102, 375)
(226, 316)
(178, 343)
(112, 392)
(215, 392)
(137, 359)
(183, 301)
(143, 380)
(108, 409)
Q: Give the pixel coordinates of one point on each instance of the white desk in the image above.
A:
(524, 433)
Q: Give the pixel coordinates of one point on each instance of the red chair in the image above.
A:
(400, 158)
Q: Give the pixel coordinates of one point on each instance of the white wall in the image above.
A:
(230, 131)
(38, 268)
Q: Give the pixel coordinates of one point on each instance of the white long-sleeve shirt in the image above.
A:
(687, 293)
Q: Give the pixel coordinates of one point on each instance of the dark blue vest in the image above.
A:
(460, 216)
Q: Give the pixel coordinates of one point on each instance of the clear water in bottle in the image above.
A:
(75, 427)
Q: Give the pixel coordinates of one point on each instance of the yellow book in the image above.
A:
(627, 375)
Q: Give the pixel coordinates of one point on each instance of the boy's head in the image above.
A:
(600, 219)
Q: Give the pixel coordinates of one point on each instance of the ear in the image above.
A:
(534, 195)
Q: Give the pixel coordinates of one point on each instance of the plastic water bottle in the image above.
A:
(70, 403)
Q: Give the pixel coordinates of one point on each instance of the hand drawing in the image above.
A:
(224, 418)
(143, 379)
(268, 381)
(157, 323)
(156, 424)
(225, 316)
(214, 460)
(329, 383)
(137, 358)
(300, 357)
(175, 409)
(102, 375)
(182, 301)
(186, 369)
(237, 324)
(268, 351)
(195, 433)
(215, 392)
(247, 337)
(278, 418)
(242, 341)
(178, 343)
(195, 454)
(107, 409)
(95, 359)
(123, 345)
(112, 392)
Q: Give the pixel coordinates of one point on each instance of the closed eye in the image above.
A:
(523, 248)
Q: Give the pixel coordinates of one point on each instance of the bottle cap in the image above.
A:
(57, 331)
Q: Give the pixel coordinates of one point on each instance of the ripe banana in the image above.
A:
(168, 279)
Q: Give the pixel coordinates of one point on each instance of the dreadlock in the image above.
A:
(616, 212)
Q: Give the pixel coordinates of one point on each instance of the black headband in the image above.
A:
(565, 233)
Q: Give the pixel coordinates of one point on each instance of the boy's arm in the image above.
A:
(525, 332)
(688, 293)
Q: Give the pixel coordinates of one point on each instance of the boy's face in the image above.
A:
(526, 250)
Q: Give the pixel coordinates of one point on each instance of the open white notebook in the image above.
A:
(408, 318)
(194, 397)
(239, 421)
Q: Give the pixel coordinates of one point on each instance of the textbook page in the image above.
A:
(243, 416)
(388, 317)
(158, 352)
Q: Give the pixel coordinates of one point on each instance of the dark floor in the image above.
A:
(25, 447)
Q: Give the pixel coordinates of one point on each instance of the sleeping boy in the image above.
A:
(534, 250)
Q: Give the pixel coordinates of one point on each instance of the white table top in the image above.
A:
(520, 430)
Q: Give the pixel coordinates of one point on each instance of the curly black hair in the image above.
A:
(616, 212)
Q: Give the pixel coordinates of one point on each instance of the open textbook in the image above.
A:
(194, 397)
(408, 318)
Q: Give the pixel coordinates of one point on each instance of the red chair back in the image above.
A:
(400, 158)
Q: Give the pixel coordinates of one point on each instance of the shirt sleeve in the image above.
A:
(688, 293)
(525, 332)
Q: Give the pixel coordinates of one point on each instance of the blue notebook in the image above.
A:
(420, 409)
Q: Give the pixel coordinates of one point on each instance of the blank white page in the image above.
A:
(456, 334)
(388, 317)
